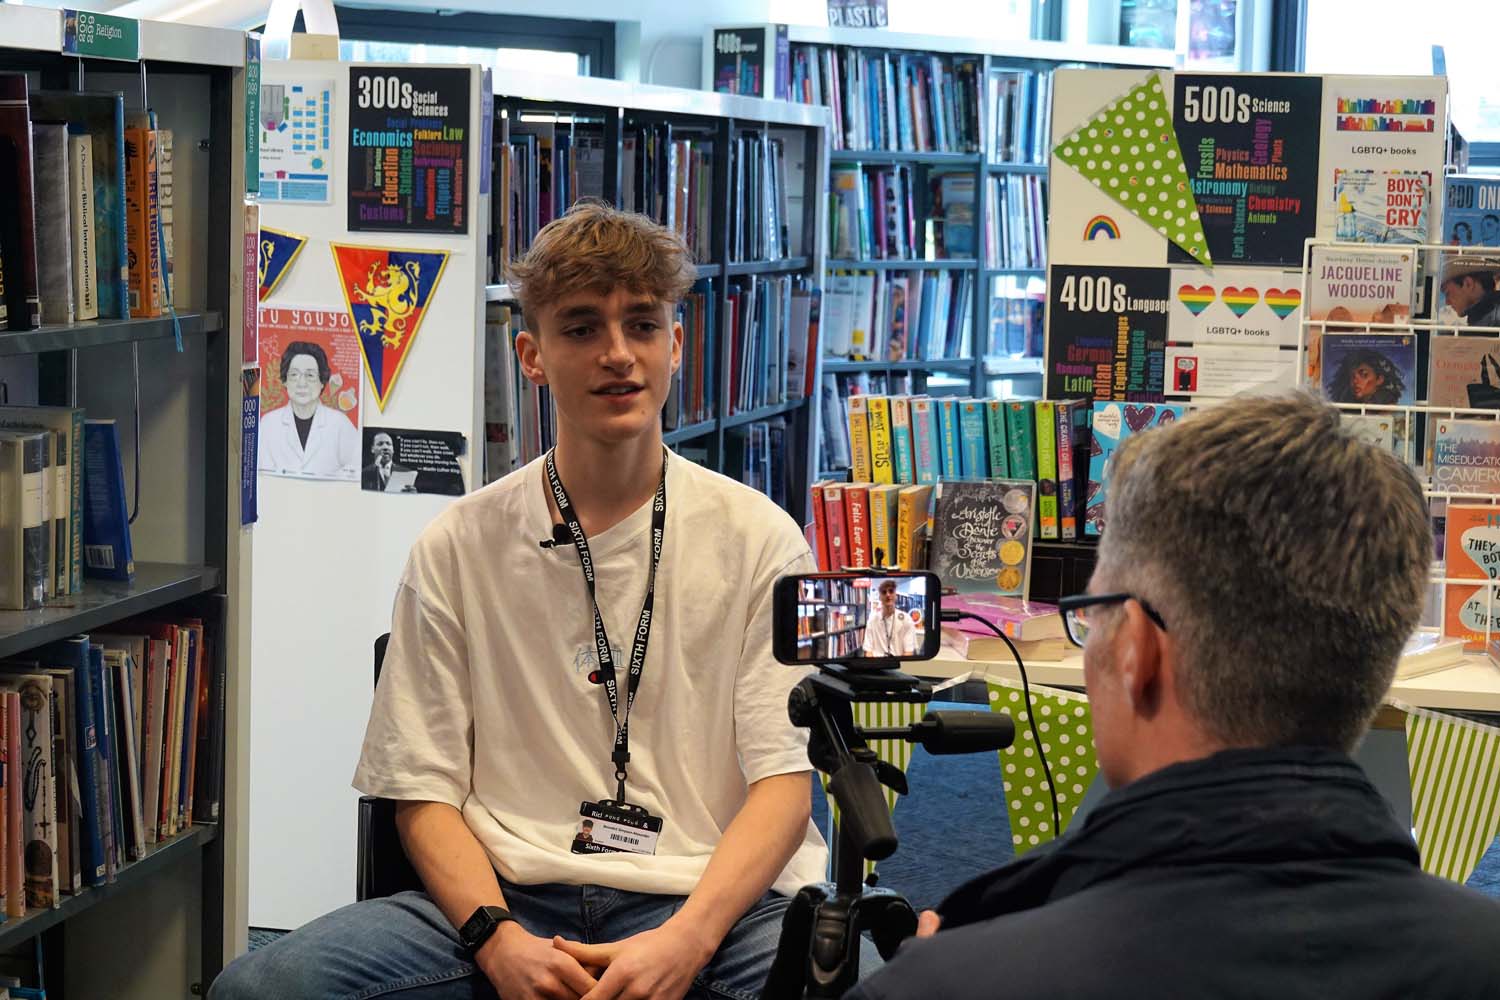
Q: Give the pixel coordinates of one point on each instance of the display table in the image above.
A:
(1435, 768)
(1470, 686)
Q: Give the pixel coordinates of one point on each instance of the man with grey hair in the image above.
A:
(1261, 571)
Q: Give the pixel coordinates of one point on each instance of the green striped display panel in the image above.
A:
(1455, 790)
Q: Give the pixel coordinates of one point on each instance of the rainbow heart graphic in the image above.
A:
(1240, 300)
(1283, 303)
(1196, 299)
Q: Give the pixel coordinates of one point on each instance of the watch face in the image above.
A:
(472, 932)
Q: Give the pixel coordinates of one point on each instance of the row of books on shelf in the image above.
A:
(543, 168)
(773, 330)
(773, 326)
(62, 505)
(1015, 221)
(1019, 101)
(758, 455)
(1062, 445)
(759, 222)
(114, 742)
(86, 192)
(873, 213)
(921, 315)
(667, 173)
(1017, 316)
(892, 100)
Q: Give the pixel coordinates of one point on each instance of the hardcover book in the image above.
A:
(106, 524)
(1370, 368)
(1471, 211)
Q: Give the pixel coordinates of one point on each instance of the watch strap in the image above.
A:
(481, 926)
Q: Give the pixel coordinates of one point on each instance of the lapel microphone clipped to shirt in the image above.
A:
(560, 536)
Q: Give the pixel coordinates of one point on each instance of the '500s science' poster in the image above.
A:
(408, 149)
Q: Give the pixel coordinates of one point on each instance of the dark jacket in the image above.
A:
(1252, 873)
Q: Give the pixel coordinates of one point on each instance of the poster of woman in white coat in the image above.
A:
(308, 438)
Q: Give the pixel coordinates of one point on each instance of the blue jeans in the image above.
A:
(404, 946)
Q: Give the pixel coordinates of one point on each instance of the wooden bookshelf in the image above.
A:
(191, 554)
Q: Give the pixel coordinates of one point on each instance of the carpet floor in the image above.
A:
(954, 826)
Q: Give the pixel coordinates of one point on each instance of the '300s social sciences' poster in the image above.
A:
(408, 149)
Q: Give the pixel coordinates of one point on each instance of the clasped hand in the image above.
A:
(658, 964)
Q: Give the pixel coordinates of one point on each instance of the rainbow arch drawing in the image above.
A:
(1101, 227)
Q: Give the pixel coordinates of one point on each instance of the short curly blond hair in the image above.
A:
(597, 247)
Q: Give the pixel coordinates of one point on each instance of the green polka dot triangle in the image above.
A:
(1066, 726)
(1129, 151)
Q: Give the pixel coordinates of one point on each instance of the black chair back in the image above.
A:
(381, 867)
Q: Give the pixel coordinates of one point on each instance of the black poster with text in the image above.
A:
(1107, 333)
(1250, 146)
(408, 150)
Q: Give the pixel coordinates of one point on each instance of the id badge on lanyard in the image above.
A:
(614, 825)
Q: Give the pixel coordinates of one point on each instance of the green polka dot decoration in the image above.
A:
(1129, 151)
(1066, 726)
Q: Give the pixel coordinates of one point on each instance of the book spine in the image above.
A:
(107, 549)
(1066, 515)
(81, 192)
(1046, 469)
(906, 514)
(973, 459)
(7, 776)
(857, 501)
(105, 774)
(925, 441)
(859, 440)
(155, 243)
(882, 458)
(1020, 438)
(135, 832)
(15, 844)
(89, 766)
(901, 441)
(820, 527)
(18, 223)
(68, 879)
(137, 222)
(948, 427)
(994, 418)
(27, 545)
(40, 802)
(833, 500)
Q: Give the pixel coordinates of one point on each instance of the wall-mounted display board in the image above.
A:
(1182, 203)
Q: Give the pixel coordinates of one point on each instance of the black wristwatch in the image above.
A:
(484, 922)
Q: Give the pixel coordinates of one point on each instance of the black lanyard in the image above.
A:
(621, 755)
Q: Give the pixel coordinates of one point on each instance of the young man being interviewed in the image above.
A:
(587, 639)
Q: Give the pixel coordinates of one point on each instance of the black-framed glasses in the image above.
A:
(1076, 616)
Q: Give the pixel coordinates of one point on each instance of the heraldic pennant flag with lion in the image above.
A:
(387, 292)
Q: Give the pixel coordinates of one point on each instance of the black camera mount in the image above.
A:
(818, 954)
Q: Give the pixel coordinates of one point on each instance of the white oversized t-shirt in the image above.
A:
(484, 700)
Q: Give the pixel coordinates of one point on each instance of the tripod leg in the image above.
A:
(788, 976)
(888, 917)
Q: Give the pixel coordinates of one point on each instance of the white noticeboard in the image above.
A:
(328, 554)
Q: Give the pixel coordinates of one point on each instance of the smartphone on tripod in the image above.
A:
(858, 628)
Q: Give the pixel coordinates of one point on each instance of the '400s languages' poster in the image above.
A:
(1108, 333)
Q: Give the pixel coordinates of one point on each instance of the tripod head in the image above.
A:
(819, 950)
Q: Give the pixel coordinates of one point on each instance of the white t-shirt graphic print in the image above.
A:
(485, 702)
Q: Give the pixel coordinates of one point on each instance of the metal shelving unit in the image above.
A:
(192, 556)
(717, 118)
(991, 54)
